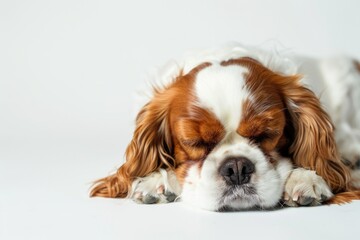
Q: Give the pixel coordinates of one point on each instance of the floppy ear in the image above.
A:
(313, 145)
(149, 150)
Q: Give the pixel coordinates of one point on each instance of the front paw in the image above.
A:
(305, 188)
(158, 187)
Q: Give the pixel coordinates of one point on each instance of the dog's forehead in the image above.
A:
(222, 90)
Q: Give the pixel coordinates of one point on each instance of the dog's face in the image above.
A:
(227, 128)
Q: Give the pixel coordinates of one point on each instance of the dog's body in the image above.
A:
(237, 128)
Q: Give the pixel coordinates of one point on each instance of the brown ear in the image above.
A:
(313, 145)
(149, 150)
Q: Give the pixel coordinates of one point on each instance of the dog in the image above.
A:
(240, 127)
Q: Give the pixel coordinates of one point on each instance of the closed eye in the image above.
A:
(197, 143)
(191, 142)
(265, 136)
(260, 138)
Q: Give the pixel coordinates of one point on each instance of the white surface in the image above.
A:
(68, 74)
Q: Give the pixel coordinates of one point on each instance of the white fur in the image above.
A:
(355, 178)
(204, 187)
(305, 183)
(222, 91)
(155, 185)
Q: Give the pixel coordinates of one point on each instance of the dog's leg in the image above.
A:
(305, 188)
(158, 187)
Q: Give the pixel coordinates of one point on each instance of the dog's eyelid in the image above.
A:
(272, 132)
(197, 143)
(268, 134)
(191, 142)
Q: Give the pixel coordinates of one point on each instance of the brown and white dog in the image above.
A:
(242, 128)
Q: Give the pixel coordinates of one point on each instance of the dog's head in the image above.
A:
(225, 128)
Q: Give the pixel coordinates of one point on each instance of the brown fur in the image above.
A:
(263, 119)
(344, 197)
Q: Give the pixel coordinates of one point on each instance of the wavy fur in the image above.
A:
(149, 150)
(314, 146)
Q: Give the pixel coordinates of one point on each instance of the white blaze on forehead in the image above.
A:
(221, 89)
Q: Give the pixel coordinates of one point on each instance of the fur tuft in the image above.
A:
(113, 186)
(344, 197)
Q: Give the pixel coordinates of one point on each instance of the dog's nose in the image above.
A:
(237, 170)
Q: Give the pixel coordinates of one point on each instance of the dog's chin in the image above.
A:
(237, 198)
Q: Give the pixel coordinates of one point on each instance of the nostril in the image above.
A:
(248, 167)
(228, 169)
(230, 172)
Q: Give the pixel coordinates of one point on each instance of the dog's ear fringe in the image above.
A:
(314, 146)
(344, 197)
(149, 150)
(113, 186)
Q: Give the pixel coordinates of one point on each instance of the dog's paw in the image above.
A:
(305, 188)
(158, 187)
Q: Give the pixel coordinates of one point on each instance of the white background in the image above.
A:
(69, 72)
